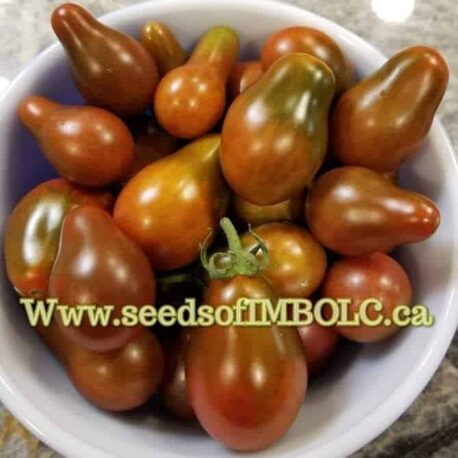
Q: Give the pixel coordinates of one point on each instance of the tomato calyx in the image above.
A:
(236, 260)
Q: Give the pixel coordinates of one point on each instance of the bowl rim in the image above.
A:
(354, 437)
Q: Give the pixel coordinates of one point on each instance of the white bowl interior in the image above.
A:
(362, 394)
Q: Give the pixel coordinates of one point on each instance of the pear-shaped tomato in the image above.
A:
(86, 145)
(246, 384)
(171, 206)
(275, 134)
(380, 122)
(190, 99)
(98, 265)
(111, 69)
(354, 211)
(33, 230)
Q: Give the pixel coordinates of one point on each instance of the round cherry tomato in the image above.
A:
(376, 275)
(297, 262)
(310, 41)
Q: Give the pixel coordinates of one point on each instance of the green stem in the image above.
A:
(236, 260)
(231, 234)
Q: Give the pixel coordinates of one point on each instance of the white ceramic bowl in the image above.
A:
(357, 399)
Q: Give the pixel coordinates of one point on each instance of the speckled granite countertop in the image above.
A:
(430, 427)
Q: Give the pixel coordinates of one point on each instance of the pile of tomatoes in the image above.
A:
(168, 144)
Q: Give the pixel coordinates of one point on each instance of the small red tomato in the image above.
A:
(297, 262)
(376, 275)
(310, 41)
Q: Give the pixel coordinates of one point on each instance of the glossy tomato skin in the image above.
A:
(190, 99)
(163, 46)
(244, 75)
(119, 380)
(170, 207)
(355, 211)
(111, 69)
(273, 141)
(380, 122)
(310, 41)
(297, 262)
(173, 390)
(98, 265)
(376, 275)
(33, 230)
(86, 145)
(246, 384)
(319, 344)
(289, 210)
